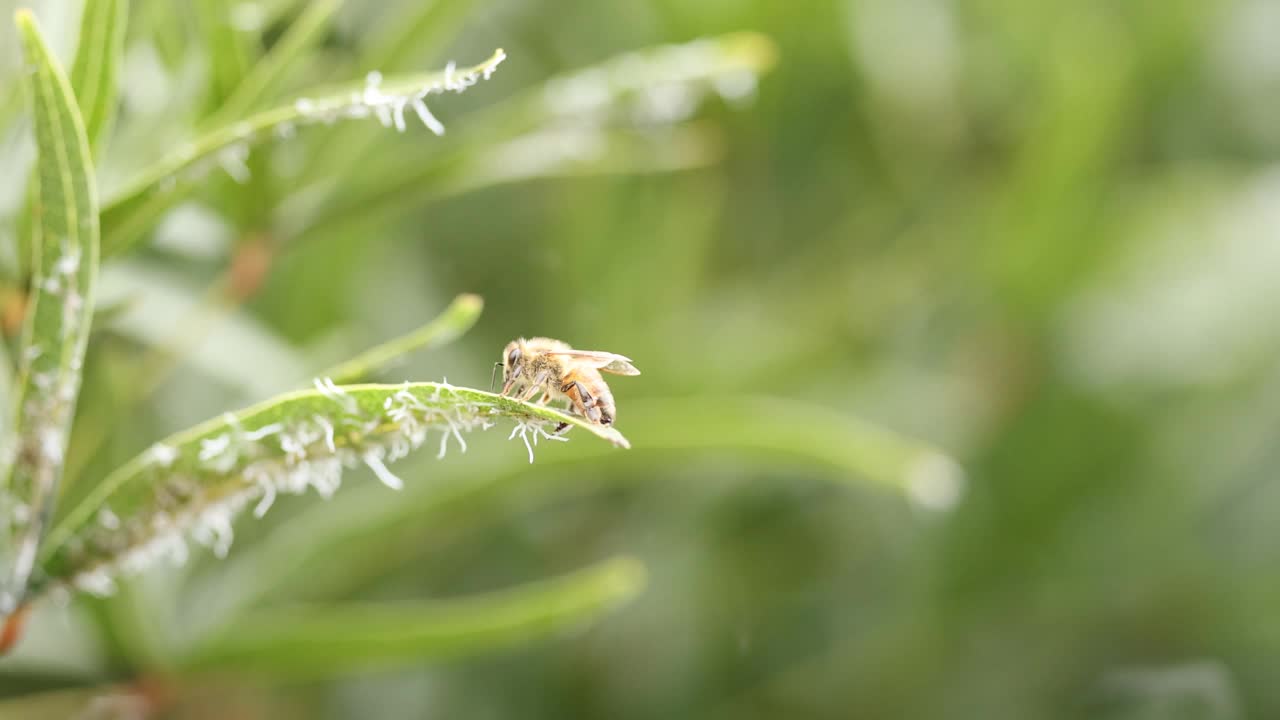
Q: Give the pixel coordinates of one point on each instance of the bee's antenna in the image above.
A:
(493, 375)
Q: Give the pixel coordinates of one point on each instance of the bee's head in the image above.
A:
(512, 363)
(512, 358)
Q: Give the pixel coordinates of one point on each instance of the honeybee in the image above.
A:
(559, 371)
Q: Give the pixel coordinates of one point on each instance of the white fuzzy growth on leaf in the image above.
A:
(525, 429)
(389, 106)
(658, 86)
(162, 455)
(327, 388)
(203, 484)
(373, 458)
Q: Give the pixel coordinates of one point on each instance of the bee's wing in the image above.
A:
(606, 361)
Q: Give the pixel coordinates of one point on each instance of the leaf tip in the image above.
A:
(755, 49)
(24, 18)
(935, 481)
(625, 578)
(618, 439)
(469, 303)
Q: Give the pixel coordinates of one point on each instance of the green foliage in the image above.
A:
(65, 268)
(300, 642)
(886, 240)
(129, 213)
(227, 47)
(94, 76)
(197, 481)
(274, 67)
(456, 319)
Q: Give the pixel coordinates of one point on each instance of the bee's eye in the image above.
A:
(513, 357)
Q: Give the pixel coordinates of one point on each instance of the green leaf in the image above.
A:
(417, 25)
(195, 482)
(97, 64)
(858, 450)
(448, 326)
(317, 641)
(132, 211)
(227, 47)
(573, 152)
(330, 550)
(75, 702)
(162, 24)
(10, 104)
(579, 122)
(266, 74)
(408, 31)
(65, 267)
(272, 12)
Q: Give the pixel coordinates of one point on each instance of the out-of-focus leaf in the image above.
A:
(270, 12)
(7, 388)
(456, 319)
(65, 267)
(543, 155)
(266, 74)
(10, 103)
(428, 24)
(301, 642)
(654, 86)
(97, 65)
(861, 450)
(195, 482)
(129, 213)
(91, 703)
(571, 152)
(162, 24)
(227, 48)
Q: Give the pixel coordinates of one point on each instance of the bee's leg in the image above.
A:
(546, 398)
(582, 400)
(509, 384)
(534, 386)
(569, 409)
(565, 427)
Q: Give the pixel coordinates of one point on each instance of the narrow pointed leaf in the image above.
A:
(226, 46)
(65, 265)
(410, 29)
(329, 550)
(132, 211)
(413, 27)
(266, 74)
(579, 122)
(192, 484)
(307, 642)
(97, 65)
(569, 152)
(448, 326)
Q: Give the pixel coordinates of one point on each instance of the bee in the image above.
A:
(560, 372)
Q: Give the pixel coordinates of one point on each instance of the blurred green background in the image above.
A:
(1040, 236)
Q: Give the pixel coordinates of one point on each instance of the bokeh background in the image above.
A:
(1041, 237)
